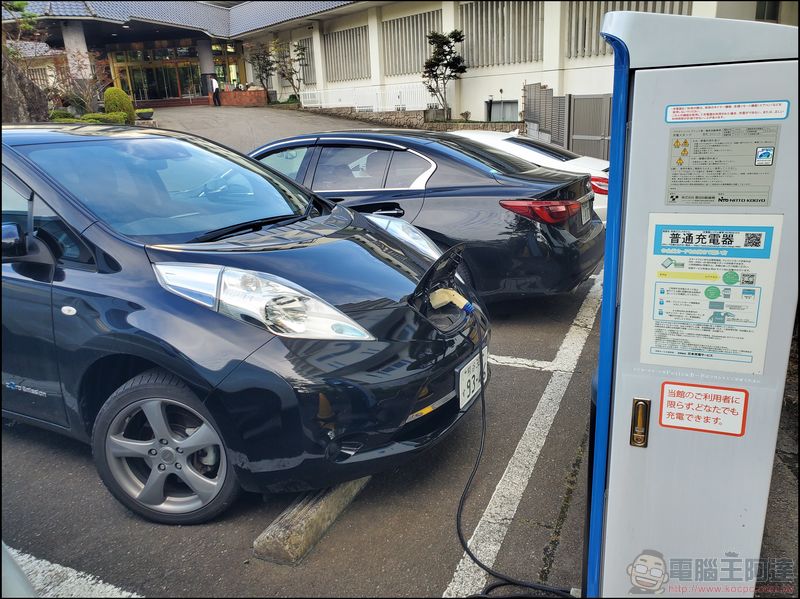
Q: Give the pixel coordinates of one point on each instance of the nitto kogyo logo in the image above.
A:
(24, 389)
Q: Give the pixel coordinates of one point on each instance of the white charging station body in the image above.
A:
(701, 268)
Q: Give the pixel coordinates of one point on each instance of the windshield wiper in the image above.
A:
(251, 225)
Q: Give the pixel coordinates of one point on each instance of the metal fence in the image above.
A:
(579, 123)
(372, 98)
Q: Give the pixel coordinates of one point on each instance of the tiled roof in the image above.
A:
(215, 20)
(250, 16)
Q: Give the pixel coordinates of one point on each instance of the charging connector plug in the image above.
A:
(444, 296)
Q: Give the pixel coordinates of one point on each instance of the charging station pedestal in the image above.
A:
(699, 302)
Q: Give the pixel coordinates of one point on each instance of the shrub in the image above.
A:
(465, 115)
(143, 110)
(60, 113)
(111, 118)
(116, 100)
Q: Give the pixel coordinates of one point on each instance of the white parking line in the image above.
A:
(519, 362)
(53, 580)
(468, 578)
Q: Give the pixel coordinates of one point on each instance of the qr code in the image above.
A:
(752, 240)
(749, 278)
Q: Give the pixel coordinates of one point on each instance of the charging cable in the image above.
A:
(439, 298)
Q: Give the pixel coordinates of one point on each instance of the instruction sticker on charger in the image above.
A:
(704, 408)
(721, 165)
(710, 281)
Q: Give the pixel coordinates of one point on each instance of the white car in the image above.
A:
(551, 156)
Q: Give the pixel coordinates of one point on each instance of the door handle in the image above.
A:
(640, 422)
(390, 212)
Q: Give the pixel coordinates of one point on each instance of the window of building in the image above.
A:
(347, 54)
(768, 11)
(506, 110)
(39, 76)
(405, 43)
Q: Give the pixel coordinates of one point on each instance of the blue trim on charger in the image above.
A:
(608, 318)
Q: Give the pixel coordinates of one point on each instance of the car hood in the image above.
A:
(341, 257)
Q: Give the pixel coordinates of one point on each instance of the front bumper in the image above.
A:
(302, 414)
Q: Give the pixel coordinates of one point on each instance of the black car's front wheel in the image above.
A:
(159, 452)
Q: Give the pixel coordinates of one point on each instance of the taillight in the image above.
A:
(550, 212)
(600, 185)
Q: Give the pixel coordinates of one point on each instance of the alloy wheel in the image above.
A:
(165, 455)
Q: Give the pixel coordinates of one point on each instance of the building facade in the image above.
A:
(362, 55)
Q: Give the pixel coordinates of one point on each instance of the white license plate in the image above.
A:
(469, 378)
(586, 212)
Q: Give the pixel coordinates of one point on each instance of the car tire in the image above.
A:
(160, 453)
(463, 269)
(466, 275)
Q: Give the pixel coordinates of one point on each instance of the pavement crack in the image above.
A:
(570, 482)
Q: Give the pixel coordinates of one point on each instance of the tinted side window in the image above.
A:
(15, 202)
(286, 161)
(350, 168)
(74, 251)
(404, 169)
(15, 209)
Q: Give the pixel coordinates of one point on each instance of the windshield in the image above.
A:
(166, 190)
(498, 161)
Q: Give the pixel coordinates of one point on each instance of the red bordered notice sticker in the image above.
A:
(718, 410)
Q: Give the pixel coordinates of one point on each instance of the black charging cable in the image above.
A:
(503, 580)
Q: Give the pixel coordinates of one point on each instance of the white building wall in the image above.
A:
(557, 66)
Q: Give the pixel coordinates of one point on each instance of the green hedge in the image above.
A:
(74, 120)
(116, 100)
(60, 113)
(111, 118)
(141, 110)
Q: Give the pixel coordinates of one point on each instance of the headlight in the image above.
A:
(264, 300)
(408, 234)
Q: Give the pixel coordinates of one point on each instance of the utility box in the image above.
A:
(699, 302)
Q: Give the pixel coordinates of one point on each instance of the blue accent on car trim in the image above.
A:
(608, 317)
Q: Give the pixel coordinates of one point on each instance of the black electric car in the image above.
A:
(208, 325)
(529, 230)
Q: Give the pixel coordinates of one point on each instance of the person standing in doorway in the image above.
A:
(215, 90)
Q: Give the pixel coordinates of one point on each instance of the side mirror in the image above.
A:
(19, 247)
(13, 242)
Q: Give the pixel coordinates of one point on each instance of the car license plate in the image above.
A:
(586, 212)
(469, 378)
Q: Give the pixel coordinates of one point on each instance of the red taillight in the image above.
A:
(550, 212)
(600, 185)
